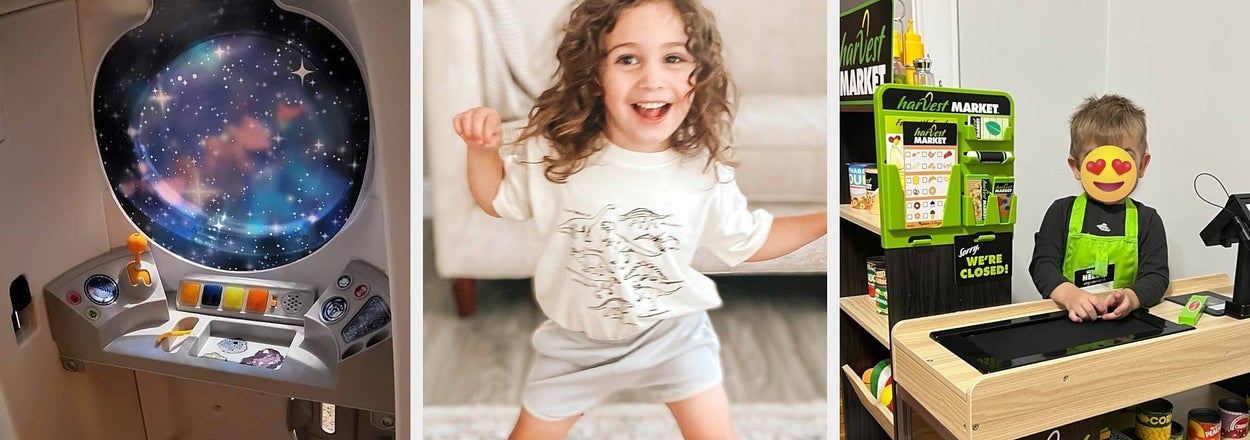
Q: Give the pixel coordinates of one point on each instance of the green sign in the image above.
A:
(982, 259)
(941, 101)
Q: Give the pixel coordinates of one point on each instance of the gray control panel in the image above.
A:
(328, 345)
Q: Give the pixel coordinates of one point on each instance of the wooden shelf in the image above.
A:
(863, 310)
(857, 108)
(883, 415)
(865, 219)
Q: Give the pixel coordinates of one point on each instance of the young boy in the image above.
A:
(1101, 237)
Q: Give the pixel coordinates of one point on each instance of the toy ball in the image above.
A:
(886, 378)
(867, 377)
(887, 396)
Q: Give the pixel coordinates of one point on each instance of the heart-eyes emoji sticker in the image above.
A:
(1108, 184)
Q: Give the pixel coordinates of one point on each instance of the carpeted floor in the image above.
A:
(631, 421)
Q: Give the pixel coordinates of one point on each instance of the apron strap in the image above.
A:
(1130, 219)
(1076, 221)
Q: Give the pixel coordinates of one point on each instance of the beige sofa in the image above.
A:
(776, 52)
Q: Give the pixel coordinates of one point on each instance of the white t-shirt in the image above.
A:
(621, 234)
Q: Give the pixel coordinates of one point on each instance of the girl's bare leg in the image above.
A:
(704, 416)
(530, 427)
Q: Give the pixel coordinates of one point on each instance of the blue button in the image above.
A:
(211, 295)
(334, 309)
(100, 289)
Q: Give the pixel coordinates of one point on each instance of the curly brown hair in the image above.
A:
(571, 115)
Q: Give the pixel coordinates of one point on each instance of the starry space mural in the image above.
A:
(233, 133)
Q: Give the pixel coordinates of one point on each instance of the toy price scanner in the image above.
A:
(1232, 225)
(236, 140)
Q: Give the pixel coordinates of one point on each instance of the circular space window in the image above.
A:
(234, 134)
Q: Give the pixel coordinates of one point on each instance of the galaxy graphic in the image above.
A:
(233, 133)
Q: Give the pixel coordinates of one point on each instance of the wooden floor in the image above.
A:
(772, 332)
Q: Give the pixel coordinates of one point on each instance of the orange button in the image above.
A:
(256, 300)
(189, 293)
(233, 300)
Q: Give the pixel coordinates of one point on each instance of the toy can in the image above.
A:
(1234, 418)
(882, 288)
(871, 188)
(873, 264)
(858, 187)
(883, 300)
(1154, 420)
(1204, 424)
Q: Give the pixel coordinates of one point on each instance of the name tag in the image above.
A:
(1086, 279)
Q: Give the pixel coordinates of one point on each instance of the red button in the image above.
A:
(74, 298)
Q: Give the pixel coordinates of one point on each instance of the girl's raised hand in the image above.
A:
(479, 127)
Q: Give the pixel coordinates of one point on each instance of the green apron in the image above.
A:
(1088, 256)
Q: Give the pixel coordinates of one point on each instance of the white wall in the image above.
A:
(48, 185)
(936, 21)
(1021, 48)
(1177, 62)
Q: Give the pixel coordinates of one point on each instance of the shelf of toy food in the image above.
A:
(861, 217)
(879, 412)
(863, 310)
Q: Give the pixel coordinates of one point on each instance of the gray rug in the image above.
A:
(753, 421)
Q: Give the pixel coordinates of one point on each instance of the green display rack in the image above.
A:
(931, 143)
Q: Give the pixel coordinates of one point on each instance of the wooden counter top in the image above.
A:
(1024, 400)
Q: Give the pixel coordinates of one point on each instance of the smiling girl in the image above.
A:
(624, 169)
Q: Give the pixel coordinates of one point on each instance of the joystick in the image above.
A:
(137, 279)
(134, 271)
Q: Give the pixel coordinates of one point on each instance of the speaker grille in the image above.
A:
(292, 303)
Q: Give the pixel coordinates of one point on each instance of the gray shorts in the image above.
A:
(673, 360)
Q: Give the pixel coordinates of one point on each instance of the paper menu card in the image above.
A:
(930, 152)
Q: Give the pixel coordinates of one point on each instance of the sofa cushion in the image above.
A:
(810, 259)
(769, 47)
(780, 143)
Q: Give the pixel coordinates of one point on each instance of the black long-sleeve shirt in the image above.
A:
(1106, 220)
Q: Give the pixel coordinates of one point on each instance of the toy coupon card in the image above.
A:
(930, 151)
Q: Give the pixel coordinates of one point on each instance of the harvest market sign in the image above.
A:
(945, 102)
(866, 50)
